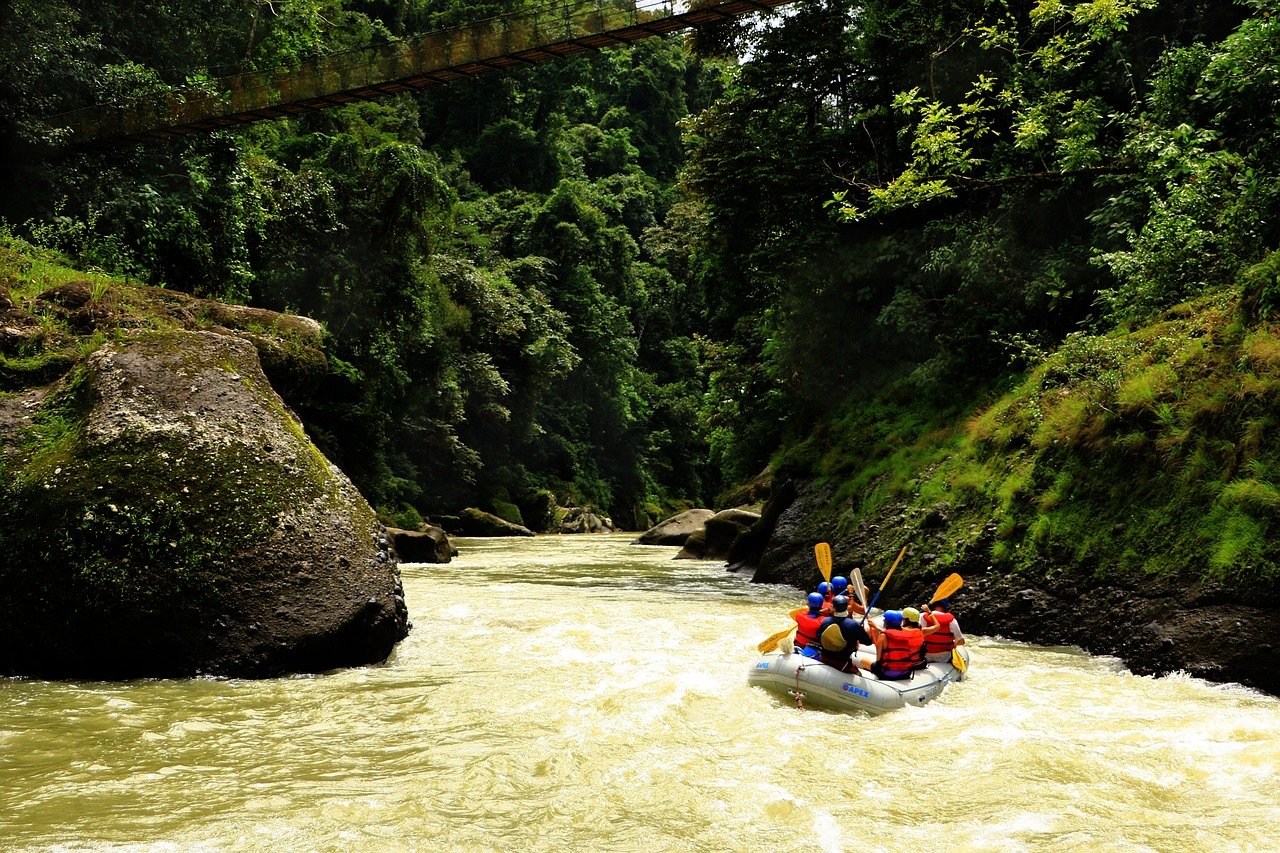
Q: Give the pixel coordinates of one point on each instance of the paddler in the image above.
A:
(899, 648)
(827, 595)
(840, 586)
(938, 645)
(807, 624)
(839, 636)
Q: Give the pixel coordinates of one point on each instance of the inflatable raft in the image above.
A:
(816, 685)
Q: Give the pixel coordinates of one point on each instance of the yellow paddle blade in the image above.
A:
(947, 587)
(771, 642)
(822, 553)
(957, 660)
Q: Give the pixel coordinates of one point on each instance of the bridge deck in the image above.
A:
(499, 43)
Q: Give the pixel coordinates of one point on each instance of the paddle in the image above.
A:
(770, 643)
(822, 553)
(882, 584)
(945, 590)
(947, 587)
(859, 588)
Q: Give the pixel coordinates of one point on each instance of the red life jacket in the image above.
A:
(941, 640)
(807, 628)
(901, 649)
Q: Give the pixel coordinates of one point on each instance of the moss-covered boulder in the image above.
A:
(675, 530)
(477, 522)
(163, 514)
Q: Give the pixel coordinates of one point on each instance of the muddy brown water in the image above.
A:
(579, 693)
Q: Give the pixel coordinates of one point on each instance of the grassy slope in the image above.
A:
(46, 334)
(1145, 452)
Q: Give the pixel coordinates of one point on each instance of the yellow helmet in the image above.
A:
(910, 614)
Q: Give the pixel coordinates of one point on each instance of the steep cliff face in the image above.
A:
(162, 513)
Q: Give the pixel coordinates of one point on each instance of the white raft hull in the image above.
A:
(821, 686)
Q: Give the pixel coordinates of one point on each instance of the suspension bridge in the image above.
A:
(495, 44)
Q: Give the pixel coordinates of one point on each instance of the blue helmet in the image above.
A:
(893, 619)
(840, 604)
(825, 589)
(839, 583)
(816, 600)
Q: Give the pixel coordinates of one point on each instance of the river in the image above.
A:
(577, 693)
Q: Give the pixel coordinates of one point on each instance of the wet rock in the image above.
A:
(477, 522)
(675, 530)
(715, 540)
(695, 546)
(430, 545)
(579, 520)
(788, 558)
(193, 541)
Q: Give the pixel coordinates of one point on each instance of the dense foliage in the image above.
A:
(629, 279)
(1008, 183)
(999, 173)
(510, 323)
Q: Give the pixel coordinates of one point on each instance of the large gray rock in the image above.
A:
(579, 520)
(694, 547)
(748, 548)
(715, 540)
(425, 546)
(675, 530)
(162, 514)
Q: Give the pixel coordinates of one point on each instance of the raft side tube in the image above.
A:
(822, 686)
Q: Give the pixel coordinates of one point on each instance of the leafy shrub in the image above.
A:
(507, 511)
(405, 518)
(1260, 286)
(537, 508)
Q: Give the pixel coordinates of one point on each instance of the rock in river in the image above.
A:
(162, 513)
(676, 529)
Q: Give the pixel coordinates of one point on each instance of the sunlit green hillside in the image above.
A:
(1144, 451)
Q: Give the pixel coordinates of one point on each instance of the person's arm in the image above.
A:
(955, 632)
(927, 631)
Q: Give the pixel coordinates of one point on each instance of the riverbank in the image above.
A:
(1121, 495)
(1157, 626)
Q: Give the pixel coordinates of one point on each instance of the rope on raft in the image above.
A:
(796, 693)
